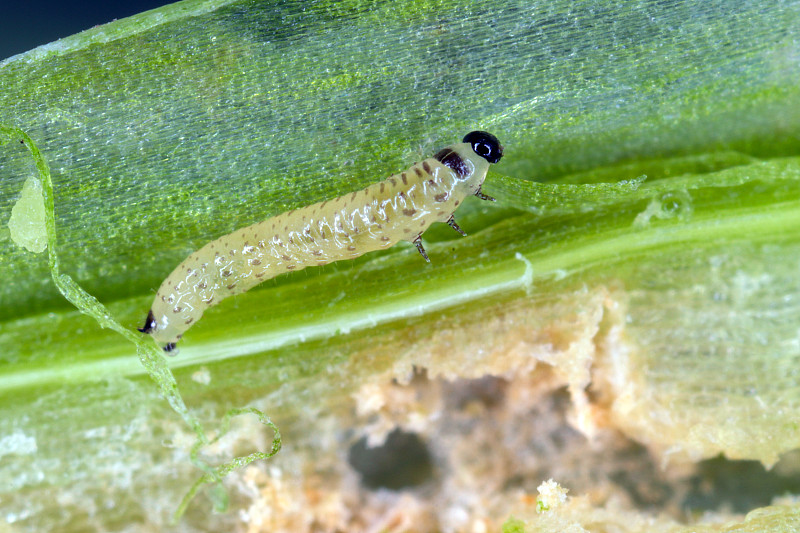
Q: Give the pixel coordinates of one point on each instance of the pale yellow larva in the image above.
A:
(399, 208)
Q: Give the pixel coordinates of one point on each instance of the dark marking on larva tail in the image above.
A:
(149, 323)
(169, 347)
(452, 160)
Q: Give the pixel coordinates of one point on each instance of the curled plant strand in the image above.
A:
(150, 356)
(215, 475)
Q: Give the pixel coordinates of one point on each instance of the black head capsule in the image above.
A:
(485, 145)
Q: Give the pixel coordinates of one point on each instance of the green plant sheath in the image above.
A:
(651, 147)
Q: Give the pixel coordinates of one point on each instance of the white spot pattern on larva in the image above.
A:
(401, 207)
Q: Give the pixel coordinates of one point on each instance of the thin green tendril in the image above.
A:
(216, 474)
(149, 354)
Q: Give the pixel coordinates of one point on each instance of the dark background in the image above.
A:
(26, 24)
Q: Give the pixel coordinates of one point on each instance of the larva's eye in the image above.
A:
(485, 145)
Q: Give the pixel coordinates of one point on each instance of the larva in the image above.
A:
(399, 208)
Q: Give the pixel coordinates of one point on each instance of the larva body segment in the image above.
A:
(399, 208)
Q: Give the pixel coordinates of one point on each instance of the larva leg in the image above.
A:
(418, 242)
(482, 196)
(452, 223)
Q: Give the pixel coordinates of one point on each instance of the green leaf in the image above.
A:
(649, 183)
